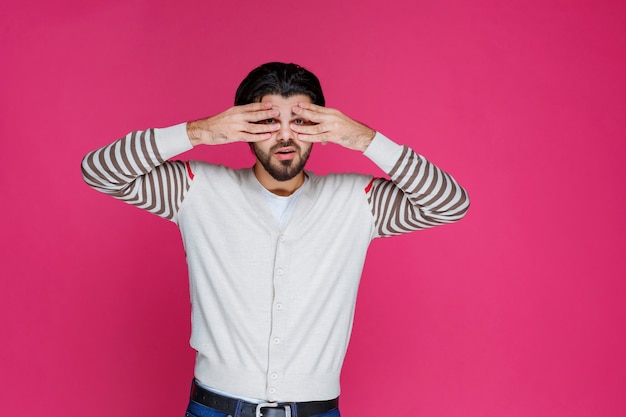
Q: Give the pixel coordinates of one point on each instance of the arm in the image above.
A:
(418, 196)
(134, 169)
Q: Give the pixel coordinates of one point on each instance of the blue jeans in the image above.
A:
(198, 410)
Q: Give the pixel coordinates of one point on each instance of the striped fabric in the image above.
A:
(419, 195)
(132, 170)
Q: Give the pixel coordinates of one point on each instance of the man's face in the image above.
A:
(283, 156)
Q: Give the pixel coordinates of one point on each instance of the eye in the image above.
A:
(303, 122)
(269, 121)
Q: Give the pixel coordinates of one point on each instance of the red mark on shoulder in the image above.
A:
(189, 171)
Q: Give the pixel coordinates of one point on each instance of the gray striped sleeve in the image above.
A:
(133, 170)
(418, 196)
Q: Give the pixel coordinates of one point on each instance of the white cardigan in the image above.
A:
(272, 311)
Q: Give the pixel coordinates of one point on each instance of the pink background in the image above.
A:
(516, 311)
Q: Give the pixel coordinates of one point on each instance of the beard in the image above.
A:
(282, 170)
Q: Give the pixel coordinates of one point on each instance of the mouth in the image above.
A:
(285, 153)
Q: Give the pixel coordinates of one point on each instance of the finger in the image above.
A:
(323, 138)
(251, 137)
(315, 129)
(261, 115)
(257, 128)
(311, 106)
(308, 114)
(254, 106)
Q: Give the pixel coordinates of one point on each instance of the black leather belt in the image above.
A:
(229, 405)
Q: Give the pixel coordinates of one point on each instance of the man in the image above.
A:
(275, 253)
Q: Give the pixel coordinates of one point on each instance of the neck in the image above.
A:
(281, 188)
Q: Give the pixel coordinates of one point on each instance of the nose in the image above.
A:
(285, 133)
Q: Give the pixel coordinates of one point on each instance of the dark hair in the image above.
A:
(279, 78)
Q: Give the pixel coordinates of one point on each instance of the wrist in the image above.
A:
(194, 133)
(367, 139)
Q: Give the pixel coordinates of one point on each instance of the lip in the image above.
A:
(291, 153)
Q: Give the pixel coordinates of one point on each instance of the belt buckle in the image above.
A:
(272, 405)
